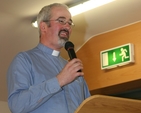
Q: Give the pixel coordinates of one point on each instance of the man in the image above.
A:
(40, 80)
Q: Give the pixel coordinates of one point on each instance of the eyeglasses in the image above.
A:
(62, 21)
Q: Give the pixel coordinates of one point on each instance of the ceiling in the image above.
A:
(17, 34)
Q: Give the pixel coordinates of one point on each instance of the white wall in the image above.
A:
(4, 107)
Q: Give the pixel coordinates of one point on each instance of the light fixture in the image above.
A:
(88, 5)
(34, 23)
(83, 7)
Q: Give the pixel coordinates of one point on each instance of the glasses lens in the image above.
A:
(63, 21)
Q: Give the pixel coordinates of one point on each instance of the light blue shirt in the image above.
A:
(34, 88)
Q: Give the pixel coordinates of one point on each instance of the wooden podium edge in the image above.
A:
(119, 99)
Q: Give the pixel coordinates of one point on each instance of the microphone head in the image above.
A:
(69, 45)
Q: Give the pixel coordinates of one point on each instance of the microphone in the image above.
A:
(69, 46)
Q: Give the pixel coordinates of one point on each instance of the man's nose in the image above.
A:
(68, 26)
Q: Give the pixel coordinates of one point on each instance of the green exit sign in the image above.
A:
(117, 56)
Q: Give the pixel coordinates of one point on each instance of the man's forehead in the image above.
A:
(61, 12)
(62, 17)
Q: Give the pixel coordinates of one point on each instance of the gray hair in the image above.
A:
(45, 13)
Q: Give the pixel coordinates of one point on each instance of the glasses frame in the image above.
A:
(62, 21)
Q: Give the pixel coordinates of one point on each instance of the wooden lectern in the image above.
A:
(109, 104)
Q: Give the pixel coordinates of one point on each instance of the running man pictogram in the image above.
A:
(123, 54)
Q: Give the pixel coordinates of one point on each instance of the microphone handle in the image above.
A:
(72, 55)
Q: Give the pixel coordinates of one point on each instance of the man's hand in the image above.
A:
(70, 72)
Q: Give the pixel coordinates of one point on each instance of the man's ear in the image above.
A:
(43, 26)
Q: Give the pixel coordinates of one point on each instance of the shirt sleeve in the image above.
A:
(86, 90)
(23, 95)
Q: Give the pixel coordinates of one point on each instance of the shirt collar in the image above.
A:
(48, 50)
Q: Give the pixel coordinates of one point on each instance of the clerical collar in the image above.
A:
(48, 50)
(55, 53)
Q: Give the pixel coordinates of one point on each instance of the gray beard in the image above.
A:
(62, 41)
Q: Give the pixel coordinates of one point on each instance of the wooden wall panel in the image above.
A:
(89, 53)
